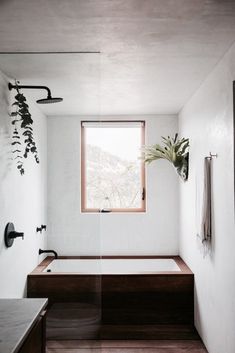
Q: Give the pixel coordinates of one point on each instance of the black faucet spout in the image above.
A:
(48, 252)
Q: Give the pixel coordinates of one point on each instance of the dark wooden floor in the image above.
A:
(137, 346)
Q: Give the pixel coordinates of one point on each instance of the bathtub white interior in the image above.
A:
(112, 266)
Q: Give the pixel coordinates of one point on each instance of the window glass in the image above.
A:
(112, 171)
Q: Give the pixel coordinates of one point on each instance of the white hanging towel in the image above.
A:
(206, 227)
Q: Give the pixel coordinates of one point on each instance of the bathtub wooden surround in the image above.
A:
(122, 306)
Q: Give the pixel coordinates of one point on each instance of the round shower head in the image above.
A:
(49, 100)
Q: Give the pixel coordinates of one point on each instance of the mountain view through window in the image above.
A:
(113, 174)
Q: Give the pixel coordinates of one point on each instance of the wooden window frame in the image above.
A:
(84, 209)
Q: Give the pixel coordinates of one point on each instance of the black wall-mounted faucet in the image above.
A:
(47, 252)
(43, 226)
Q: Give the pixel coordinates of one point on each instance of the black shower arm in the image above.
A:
(11, 86)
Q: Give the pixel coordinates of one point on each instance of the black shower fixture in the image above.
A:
(49, 99)
(10, 235)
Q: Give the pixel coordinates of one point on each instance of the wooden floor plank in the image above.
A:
(148, 332)
(121, 332)
(118, 350)
(124, 344)
(139, 346)
(128, 350)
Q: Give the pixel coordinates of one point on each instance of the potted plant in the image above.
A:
(174, 150)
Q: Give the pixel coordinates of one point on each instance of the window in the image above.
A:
(112, 173)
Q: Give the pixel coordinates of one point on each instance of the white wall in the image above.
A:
(73, 233)
(207, 121)
(22, 201)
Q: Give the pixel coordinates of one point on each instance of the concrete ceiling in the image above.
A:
(154, 53)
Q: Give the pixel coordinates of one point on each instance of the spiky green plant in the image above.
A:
(174, 150)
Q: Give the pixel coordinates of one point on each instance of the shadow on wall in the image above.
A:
(5, 141)
(5, 130)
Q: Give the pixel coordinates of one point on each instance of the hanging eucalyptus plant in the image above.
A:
(22, 121)
(173, 150)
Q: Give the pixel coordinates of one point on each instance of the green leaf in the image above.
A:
(173, 150)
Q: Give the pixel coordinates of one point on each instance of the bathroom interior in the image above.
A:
(117, 176)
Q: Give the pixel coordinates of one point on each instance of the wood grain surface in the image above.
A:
(140, 346)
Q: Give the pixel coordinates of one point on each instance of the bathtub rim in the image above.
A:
(184, 269)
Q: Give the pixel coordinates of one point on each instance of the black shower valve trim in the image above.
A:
(10, 234)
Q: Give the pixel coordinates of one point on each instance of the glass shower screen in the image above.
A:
(73, 284)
